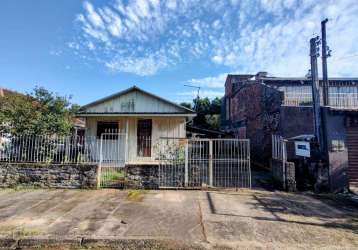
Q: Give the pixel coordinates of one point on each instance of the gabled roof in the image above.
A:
(184, 110)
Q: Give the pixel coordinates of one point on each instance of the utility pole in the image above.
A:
(314, 53)
(324, 63)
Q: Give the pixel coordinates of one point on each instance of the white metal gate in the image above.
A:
(279, 154)
(112, 158)
(200, 163)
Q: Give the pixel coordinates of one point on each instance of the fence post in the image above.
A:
(249, 161)
(210, 163)
(284, 159)
(126, 146)
(186, 168)
(99, 172)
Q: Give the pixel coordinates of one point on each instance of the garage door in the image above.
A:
(352, 143)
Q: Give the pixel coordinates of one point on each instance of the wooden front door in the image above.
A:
(144, 138)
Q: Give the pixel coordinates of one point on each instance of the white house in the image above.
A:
(140, 117)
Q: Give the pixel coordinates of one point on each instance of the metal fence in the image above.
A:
(339, 100)
(110, 147)
(195, 163)
(198, 163)
(113, 152)
(279, 151)
(343, 100)
(48, 149)
(279, 159)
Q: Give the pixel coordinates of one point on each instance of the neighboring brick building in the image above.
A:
(257, 106)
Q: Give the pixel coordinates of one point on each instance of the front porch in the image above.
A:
(129, 141)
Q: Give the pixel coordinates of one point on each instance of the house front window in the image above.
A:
(106, 129)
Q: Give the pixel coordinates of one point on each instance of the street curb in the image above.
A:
(97, 243)
(47, 241)
(6, 243)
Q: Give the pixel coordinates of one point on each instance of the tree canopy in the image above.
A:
(207, 112)
(40, 112)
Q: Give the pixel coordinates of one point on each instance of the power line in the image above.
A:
(345, 57)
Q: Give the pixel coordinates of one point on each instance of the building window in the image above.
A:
(343, 96)
(227, 111)
(107, 128)
(337, 146)
(297, 95)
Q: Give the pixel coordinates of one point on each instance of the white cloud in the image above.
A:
(209, 82)
(93, 16)
(217, 59)
(55, 52)
(142, 66)
(146, 36)
(91, 45)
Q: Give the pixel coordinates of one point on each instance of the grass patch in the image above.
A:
(136, 194)
(110, 176)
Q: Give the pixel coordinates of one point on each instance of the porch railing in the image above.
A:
(336, 100)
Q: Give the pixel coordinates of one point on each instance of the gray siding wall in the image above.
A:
(136, 102)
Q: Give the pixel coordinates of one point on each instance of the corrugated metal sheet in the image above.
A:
(352, 144)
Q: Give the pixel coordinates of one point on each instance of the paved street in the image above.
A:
(209, 219)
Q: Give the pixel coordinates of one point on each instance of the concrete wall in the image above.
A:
(48, 176)
(295, 121)
(337, 156)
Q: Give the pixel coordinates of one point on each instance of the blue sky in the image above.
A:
(90, 49)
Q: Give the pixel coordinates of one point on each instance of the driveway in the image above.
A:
(207, 219)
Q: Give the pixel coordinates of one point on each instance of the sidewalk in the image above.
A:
(249, 219)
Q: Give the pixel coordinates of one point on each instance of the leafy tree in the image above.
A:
(213, 121)
(38, 113)
(207, 113)
(215, 106)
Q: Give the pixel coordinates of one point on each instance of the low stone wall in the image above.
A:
(48, 175)
(142, 176)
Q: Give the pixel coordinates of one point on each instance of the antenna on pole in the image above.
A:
(192, 86)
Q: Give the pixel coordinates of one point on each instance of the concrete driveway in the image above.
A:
(206, 219)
